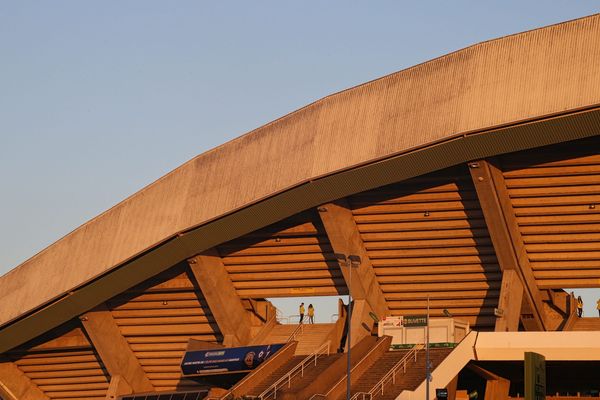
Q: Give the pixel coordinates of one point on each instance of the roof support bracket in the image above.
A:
(344, 237)
(226, 306)
(114, 351)
(508, 243)
(15, 385)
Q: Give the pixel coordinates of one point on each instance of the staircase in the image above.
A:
(311, 337)
(586, 324)
(273, 377)
(378, 370)
(409, 380)
(311, 373)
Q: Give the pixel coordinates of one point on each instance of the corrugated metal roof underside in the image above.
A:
(427, 237)
(297, 199)
(555, 193)
(157, 318)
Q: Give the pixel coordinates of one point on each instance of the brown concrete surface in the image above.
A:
(119, 360)
(335, 372)
(15, 385)
(344, 237)
(526, 76)
(270, 366)
(368, 363)
(226, 307)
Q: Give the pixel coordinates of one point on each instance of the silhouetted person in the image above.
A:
(311, 314)
(579, 306)
(598, 307)
(301, 312)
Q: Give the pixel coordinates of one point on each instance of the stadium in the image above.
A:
(456, 201)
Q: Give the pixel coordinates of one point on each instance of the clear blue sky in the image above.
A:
(99, 99)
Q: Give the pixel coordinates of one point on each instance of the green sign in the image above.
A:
(415, 320)
(535, 376)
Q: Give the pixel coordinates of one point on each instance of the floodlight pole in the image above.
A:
(427, 372)
(350, 261)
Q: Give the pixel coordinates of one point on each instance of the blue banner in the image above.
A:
(226, 360)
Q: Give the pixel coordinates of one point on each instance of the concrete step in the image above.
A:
(309, 340)
(310, 372)
(586, 324)
(312, 336)
(409, 380)
(267, 381)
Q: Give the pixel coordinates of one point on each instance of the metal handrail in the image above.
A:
(365, 357)
(280, 317)
(391, 374)
(226, 396)
(362, 396)
(293, 319)
(298, 331)
(298, 369)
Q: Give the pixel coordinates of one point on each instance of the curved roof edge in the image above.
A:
(472, 146)
(429, 116)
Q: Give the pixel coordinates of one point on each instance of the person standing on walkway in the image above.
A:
(579, 306)
(598, 307)
(301, 312)
(311, 314)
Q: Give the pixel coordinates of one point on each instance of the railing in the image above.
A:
(298, 331)
(191, 395)
(362, 396)
(572, 317)
(298, 369)
(390, 376)
(226, 396)
(280, 317)
(293, 319)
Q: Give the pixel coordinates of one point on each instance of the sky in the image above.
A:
(99, 99)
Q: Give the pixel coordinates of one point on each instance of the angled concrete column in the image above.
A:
(118, 386)
(224, 303)
(496, 387)
(345, 239)
(506, 237)
(15, 385)
(114, 351)
(511, 297)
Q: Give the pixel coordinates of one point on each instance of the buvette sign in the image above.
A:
(415, 320)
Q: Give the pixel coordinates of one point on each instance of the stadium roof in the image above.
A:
(517, 92)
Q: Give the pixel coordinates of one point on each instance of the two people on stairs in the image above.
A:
(580, 306)
(311, 313)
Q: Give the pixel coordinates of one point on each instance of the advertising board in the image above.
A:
(226, 360)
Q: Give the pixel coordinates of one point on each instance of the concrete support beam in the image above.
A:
(117, 387)
(345, 239)
(114, 351)
(224, 303)
(361, 323)
(496, 387)
(70, 340)
(15, 385)
(451, 387)
(504, 232)
(511, 297)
